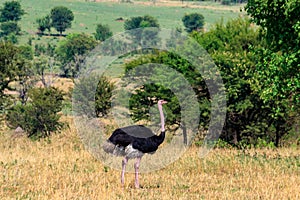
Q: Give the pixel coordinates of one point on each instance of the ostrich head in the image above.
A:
(161, 102)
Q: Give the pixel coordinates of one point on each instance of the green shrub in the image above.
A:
(40, 116)
(193, 22)
(92, 96)
(103, 32)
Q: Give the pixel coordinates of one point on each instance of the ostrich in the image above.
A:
(133, 142)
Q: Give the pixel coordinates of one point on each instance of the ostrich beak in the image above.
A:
(164, 102)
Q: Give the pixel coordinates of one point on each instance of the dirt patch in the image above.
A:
(182, 4)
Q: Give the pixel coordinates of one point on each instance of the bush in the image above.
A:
(72, 51)
(10, 27)
(193, 22)
(103, 96)
(40, 116)
(102, 32)
(92, 96)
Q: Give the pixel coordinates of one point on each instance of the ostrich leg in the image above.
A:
(136, 167)
(124, 162)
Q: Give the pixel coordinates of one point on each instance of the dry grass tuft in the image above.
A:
(60, 168)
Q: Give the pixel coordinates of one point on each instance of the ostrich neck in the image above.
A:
(162, 117)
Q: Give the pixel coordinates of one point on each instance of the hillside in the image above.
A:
(88, 14)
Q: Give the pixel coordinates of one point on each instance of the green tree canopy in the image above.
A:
(39, 117)
(280, 19)
(11, 11)
(9, 27)
(10, 65)
(91, 103)
(44, 23)
(145, 27)
(62, 18)
(193, 22)
(102, 32)
(103, 96)
(71, 52)
(277, 69)
(141, 22)
(230, 45)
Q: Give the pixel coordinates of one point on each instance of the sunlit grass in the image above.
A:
(60, 168)
(88, 14)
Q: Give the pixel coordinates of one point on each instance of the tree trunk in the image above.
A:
(235, 138)
(184, 133)
(277, 137)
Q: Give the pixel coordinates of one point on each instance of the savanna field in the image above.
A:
(61, 168)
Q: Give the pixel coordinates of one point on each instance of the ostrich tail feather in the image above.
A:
(110, 148)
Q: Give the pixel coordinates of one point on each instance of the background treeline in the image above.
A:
(258, 58)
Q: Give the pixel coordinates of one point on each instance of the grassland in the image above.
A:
(88, 14)
(60, 168)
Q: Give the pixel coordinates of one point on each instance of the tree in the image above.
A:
(145, 96)
(40, 65)
(145, 27)
(277, 67)
(89, 103)
(44, 23)
(140, 22)
(61, 18)
(102, 32)
(38, 118)
(230, 47)
(193, 22)
(103, 96)
(10, 66)
(71, 52)
(279, 19)
(9, 27)
(11, 11)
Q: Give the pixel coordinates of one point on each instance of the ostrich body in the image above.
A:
(133, 142)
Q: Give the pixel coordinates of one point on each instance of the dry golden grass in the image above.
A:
(60, 168)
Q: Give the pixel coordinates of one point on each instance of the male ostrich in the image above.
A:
(134, 141)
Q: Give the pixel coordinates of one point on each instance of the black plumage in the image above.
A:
(140, 137)
(133, 142)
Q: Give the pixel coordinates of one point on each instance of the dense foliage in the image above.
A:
(35, 110)
(44, 23)
(72, 51)
(39, 117)
(233, 47)
(10, 65)
(140, 22)
(11, 11)
(62, 18)
(277, 72)
(193, 22)
(103, 96)
(145, 27)
(10, 14)
(92, 96)
(103, 32)
(9, 27)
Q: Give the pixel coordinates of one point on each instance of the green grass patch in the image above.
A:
(88, 14)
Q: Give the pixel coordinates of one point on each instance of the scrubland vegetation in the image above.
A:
(256, 52)
(60, 168)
